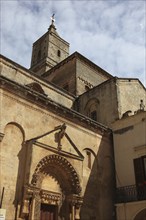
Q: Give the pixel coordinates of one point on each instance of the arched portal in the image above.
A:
(63, 204)
(59, 168)
(141, 215)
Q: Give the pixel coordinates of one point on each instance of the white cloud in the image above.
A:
(110, 33)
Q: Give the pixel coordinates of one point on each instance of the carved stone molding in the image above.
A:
(50, 197)
(30, 195)
(33, 197)
(75, 200)
(44, 102)
(59, 168)
(85, 82)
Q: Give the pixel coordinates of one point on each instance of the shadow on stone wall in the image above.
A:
(98, 202)
(22, 177)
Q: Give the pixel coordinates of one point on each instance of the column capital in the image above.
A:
(75, 199)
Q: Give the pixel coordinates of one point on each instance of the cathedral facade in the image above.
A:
(59, 123)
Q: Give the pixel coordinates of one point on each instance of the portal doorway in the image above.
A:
(48, 212)
(55, 188)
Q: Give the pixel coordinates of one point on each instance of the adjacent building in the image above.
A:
(130, 164)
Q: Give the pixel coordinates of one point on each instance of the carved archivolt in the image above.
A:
(59, 168)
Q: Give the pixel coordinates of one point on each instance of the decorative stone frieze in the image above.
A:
(50, 197)
(85, 82)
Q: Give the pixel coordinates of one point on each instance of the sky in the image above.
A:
(112, 34)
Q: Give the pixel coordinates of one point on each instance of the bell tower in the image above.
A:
(48, 50)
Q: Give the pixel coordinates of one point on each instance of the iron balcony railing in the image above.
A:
(130, 193)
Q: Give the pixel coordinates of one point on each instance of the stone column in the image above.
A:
(36, 206)
(31, 213)
(73, 211)
(77, 210)
(75, 202)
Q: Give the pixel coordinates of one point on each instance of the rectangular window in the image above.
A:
(140, 176)
(144, 166)
(140, 169)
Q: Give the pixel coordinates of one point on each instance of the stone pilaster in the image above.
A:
(36, 207)
(75, 202)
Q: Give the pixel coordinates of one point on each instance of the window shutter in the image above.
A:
(144, 166)
(139, 171)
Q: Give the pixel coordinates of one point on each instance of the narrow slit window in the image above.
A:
(39, 55)
(89, 159)
(59, 53)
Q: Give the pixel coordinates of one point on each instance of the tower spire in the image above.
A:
(48, 50)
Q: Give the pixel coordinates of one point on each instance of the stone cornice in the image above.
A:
(130, 80)
(43, 101)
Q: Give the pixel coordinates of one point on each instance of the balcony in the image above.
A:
(130, 193)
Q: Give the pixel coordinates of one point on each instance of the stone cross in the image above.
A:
(53, 19)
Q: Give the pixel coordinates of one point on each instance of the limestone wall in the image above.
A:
(114, 98)
(23, 77)
(129, 143)
(106, 97)
(77, 74)
(64, 75)
(87, 76)
(23, 120)
(129, 93)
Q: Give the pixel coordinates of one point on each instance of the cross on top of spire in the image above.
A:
(53, 19)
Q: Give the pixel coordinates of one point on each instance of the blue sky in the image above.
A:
(109, 33)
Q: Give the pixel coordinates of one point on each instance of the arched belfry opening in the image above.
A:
(61, 199)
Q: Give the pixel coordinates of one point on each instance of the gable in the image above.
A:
(58, 141)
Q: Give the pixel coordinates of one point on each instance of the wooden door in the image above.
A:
(48, 212)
